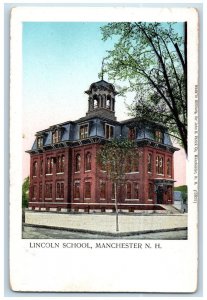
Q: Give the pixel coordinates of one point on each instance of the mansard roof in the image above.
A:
(136, 120)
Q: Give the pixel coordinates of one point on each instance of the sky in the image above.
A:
(60, 61)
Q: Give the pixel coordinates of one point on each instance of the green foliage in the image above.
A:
(151, 58)
(114, 157)
(181, 188)
(25, 192)
(184, 192)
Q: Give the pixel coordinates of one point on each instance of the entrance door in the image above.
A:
(160, 195)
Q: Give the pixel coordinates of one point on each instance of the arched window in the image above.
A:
(34, 192)
(88, 161)
(113, 190)
(56, 136)
(108, 102)
(60, 190)
(95, 101)
(136, 190)
(60, 164)
(159, 164)
(158, 136)
(87, 190)
(132, 134)
(77, 163)
(149, 162)
(35, 168)
(128, 190)
(102, 189)
(41, 167)
(169, 170)
(77, 189)
(49, 165)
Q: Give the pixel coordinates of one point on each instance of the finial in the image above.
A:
(102, 69)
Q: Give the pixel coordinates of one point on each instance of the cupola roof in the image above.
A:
(101, 85)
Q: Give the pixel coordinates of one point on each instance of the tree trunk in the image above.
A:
(116, 208)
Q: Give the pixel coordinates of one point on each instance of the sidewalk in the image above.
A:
(106, 222)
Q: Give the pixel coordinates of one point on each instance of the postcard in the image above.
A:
(104, 149)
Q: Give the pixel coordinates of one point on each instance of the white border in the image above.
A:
(182, 254)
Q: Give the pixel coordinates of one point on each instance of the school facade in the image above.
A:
(64, 172)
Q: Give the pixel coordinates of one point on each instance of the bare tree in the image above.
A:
(115, 157)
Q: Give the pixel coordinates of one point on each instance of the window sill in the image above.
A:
(59, 199)
(137, 172)
(59, 173)
(48, 174)
(48, 198)
(77, 172)
(150, 200)
(87, 171)
(131, 199)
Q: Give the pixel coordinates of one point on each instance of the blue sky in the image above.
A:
(60, 61)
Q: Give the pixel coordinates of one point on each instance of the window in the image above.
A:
(109, 131)
(159, 164)
(88, 161)
(132, 164)
(149, 162)
(49, 165)
(77, 189)
(102, 189)
(60, 190)
(77, 163)
(41, 167)
(95, 101)
(60, 164)
(39, 142)
(151, 191)
(128, 190)
(56, 136)
(158, 136)
(34, 192)
(87, 190)
(136, 190)
(132, 134)
(40, 191)
(113, 191)
(48, 190)
(83, 131)
(35, 168)
(108, 102)
(169, 169)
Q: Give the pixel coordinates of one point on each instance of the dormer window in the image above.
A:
(56, 136)
(39, 141)
(158, 136)
(132, 134)
(109, 131)
(83, 131)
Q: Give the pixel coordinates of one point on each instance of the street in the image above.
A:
(48, 233)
